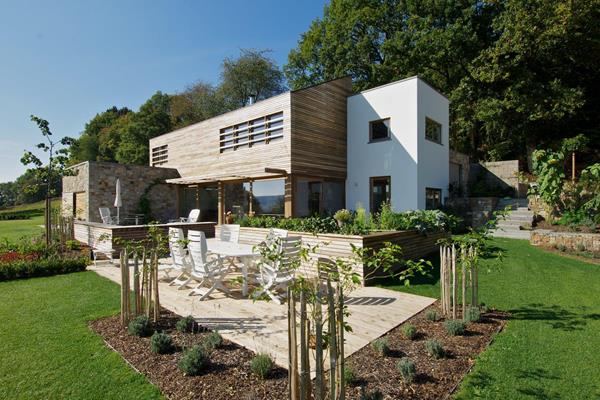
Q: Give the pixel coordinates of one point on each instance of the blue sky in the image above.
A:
(65, 61)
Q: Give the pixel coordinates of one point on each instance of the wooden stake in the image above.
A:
(293, 378)
(136, 284)
(332, 341)
(464, 282)
(319, 378)
(453, 261)
(340, 328)
(304, 373)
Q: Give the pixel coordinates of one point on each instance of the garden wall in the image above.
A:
(475, 211)
(414, 244)
(93, 233)
(570, 240)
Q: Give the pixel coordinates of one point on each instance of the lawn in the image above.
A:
(549, 349)
(48, 351)
(16, 229)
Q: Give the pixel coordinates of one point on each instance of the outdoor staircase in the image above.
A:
(521, 215)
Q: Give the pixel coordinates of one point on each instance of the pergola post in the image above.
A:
(220, 203)
(289, 196)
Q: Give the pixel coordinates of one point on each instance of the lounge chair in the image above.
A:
(230, 233)
(179, 260)
(192, 216)
(106, 217)
(275, 276)
(209, 273)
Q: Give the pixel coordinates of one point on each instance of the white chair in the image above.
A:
(192, 216)
(230, 233)
(209, 273)
(179, 261)
(106, 217)
(275, 277)
(275, 233)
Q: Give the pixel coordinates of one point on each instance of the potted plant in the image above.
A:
(342, 217)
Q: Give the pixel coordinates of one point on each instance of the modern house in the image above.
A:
(307, 151)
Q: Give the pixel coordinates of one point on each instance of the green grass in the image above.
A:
(47, 349)
(16, 229)
(549, 349)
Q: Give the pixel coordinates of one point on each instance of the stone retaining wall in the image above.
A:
(575, 241)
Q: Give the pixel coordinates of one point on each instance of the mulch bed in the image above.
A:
(229, 376)
(564, 228)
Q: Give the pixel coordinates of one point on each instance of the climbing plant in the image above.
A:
(144, 201)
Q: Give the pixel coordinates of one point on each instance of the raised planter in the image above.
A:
(414, 244)
(575, 241)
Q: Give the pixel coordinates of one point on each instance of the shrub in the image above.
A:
(580, 247)
(374, 395)
(140, 326)
(381, 346)
(454, 327)
(72, 245)
(349, 375)
(561, 247)
(24, 268)
(434, 348)
(409, 331)
(342, 216)
(407, 369)
(186, 324)
(194, 361)
(261, 365)
(473, 314)
(161, 343)
(213, 341)
(432, 315)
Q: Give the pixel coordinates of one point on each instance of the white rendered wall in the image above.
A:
(411, 163)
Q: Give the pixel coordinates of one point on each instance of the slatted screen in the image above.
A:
(251, 133)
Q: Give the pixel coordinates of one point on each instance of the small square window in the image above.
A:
(433, 130)
(379, 130)
(380, 192)
(433, 198)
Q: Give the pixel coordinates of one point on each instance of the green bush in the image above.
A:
(454, 327)
(381, 346)
(261, 365)
(349, 375)
(186, 324)
(473, 314)
(73, 245)
(140, 326)
(434, 349)
(42, 267)
(161, 343)
(213, 341)
(407, 369)
(374, 395)
(432, 315)
(409, 331)
(194, 361)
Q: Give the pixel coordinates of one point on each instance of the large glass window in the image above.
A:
(236, 198)
(208, 198)
(380, 192)
(187, 200)
(314, 196)
(268, 197)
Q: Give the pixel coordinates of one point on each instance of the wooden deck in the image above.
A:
(262, 326)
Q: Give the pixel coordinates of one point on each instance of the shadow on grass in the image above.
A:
(536, 390)
(556, 316)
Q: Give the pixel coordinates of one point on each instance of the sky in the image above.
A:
(66, 61)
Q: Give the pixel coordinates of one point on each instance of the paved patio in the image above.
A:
(262, 326)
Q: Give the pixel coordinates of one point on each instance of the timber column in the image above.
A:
(220, 203)
(289, 196)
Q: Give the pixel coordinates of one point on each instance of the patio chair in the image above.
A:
(230, 233)
(275, 277)
(192, 216)
(179, 261)
(209, 273)
(106, 217)
(275, 233)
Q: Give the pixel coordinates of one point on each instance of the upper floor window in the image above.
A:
(433, 130)
(433, 198)
(255, 132)
(160, 155)
(379, 130)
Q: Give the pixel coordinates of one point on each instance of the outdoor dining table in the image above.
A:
(230, 250)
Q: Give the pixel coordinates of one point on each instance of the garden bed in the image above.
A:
(567, 241)
(229, 376)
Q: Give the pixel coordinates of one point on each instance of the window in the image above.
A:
(318, 197)
(433, 130)
(268, 197)
(255, 132)
(433, 198)
(379, 130)
(379, 192)
(160, 155)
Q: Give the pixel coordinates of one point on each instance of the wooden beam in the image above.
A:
(220, 203)
(279, 171)
(289, 196)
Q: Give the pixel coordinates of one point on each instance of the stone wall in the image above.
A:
(474, 211)
(574, 241)
(76, 187)
(501, 174)
(98, 179)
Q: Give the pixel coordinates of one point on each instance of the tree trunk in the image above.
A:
(319, 378)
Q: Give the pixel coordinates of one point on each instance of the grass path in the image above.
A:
(551, 347)
(16, 229)
(48, 351)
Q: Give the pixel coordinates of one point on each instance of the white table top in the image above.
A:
(230, 249)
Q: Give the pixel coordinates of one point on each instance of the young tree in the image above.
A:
(47, 175)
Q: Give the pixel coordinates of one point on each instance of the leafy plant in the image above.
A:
(72, 245)
(473, 314)
(194, 361)
(17, 266)
(374, 395)
(432, 315)
(434, 349)
(213, 341)
(186, 324)
(548, 165)
(409, 331)
(454, 327)
(140, 326)
(350, 377)
(342, 216)
(161, 343)
(261, 365)
(381, 346)
(407, 369)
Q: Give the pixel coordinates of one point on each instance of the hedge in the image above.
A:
(43, 267)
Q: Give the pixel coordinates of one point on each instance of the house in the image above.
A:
(304, 152)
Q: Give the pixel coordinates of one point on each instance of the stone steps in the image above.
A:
(521, 215)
